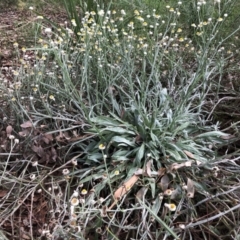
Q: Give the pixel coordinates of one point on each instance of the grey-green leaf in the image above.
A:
(140, 155)
(123, 141)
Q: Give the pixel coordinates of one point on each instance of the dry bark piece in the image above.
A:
(9, 130)
(164, 182)
(139, 172)
(189, 154)
(60, 137)
(121, 191)
(24, 133)
(148, 168)
(66, 135)
(227, 137)
(25, 236)
(141, 193)
(38, 150)
(176, 166)
(190, 188)
(3, 193)
(53, 154)
(27, 124)
(47, 138)
(161, 172)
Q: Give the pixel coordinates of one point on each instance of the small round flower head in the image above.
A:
(168, 192)
(160, 195)
(116, 172)
(32, 176)
(73, 223)
(34, 89)
(35, 163)
(60, 194)
(52, 97)
(48, 30)
(45, 232)
(101, 200)
(16, 141)
(101, 146)
(84, 192)
(39, 190)
(74, 162)
(65, 171)
(11, 137)
(182, 226)
(172, 207)
(75, 193)
(215, 169)
(73, 21)
(136, 12)
(101, 13)
(123, 12)
(77, 229)
(98, 230)
(74, 201)
(184, 186)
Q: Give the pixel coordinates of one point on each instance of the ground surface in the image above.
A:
(18, 26)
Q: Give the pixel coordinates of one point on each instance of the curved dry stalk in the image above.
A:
(191, 225)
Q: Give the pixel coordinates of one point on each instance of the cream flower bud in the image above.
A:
(172, 207)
